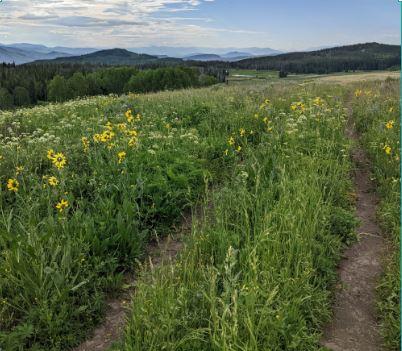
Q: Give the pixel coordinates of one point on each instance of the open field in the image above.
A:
(337, 78)
(265, 169)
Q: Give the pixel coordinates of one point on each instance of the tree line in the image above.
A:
(32, 84)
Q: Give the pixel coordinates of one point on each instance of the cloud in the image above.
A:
(124, 23)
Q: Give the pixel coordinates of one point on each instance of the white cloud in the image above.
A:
(106, 22)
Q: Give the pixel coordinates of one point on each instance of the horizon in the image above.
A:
(205, 24)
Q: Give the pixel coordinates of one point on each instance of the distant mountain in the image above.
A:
(203, 57)
(183, 52)
(45, 49)
(368, 56)
(24, 54)
(236, 54)
(113, 57)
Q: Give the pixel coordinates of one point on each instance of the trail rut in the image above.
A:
(354, 326)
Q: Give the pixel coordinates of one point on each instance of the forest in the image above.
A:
(32, 84)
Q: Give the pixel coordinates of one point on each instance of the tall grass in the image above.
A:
(376, 111)
(258, 267)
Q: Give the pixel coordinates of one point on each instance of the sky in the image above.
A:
(279, 24)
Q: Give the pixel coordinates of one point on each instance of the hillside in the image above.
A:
(20, 55)
(115, 57)
(203, 57)
(369, 56)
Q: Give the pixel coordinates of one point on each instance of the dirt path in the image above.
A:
(111, 330)
(354, 326)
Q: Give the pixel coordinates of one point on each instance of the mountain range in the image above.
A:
(21, 53)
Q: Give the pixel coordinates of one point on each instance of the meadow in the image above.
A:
(87, 184)
(376, 112)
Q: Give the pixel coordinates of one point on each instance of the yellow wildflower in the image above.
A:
(358, 92)
(59, 160)
(12, 185)
(97, 138)
(242, 132)
(390, 124)
(132, 142)
(85, 143)
(318, 101)
(121, 156)
(387, 149)
(231, 141)
(53, 181)
(129, 116)
(138, 117)
(238, 149)
(391, 109)
(168, 126)
(122, 126)
(62, 205)
(19, 169)
(226, 152)
(50, 154)
(106, 136)
(132, 133)
(109, 126)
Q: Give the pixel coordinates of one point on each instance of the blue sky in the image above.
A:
(279, 24)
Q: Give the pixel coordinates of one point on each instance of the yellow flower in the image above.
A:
(242, 132)
(129, 116)
(12, 185)
(318, 101)
(138, 117)
(390, 124)
(121, 156)
(97, 138)
(59, 160)
(132, 133)
(85, 143)
(62, 205)
(238, 149)
(391, 109)
(267, 102)
(387, 149)
(53, 181)
(19, 169)
(358, 92)
(132, 142)
(122, 126)
(106, 136)
(50, 154)
(109, 126)
(168, 126)
(231, 141)
(226, 152)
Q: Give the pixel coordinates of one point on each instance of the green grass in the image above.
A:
(375, 106)
(56, 267)
(257, 270)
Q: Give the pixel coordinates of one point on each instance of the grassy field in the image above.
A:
(85, 185)
(240, 76)
(376, 110)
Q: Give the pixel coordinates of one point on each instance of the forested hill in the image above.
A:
(369, 56)
(114, 57)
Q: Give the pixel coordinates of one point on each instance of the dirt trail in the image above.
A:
(354, 326)
(111, 330)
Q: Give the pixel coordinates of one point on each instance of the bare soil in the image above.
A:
(354, 326)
